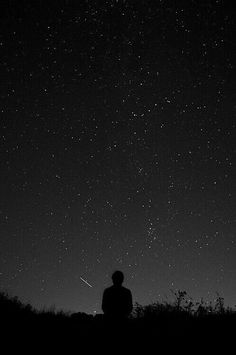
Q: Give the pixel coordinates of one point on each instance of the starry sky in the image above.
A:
(117, 148)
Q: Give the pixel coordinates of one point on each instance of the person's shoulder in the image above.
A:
(108, 289)
(126, 290)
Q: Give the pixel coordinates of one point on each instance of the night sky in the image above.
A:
(117, 149)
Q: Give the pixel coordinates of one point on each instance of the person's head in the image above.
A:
(118, 278)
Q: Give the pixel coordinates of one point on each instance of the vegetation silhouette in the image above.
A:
(170, 326)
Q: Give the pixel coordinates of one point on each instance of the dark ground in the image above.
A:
(67, 335)
(160, 330)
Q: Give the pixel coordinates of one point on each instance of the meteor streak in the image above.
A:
(86, 282)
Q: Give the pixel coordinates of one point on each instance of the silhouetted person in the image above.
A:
(117, 299)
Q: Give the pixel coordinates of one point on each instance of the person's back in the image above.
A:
(117, 300)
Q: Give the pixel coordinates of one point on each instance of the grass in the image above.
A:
(179, 322)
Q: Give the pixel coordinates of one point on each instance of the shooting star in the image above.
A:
(86, 282)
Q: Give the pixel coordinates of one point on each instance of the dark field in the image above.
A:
(181, 326)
